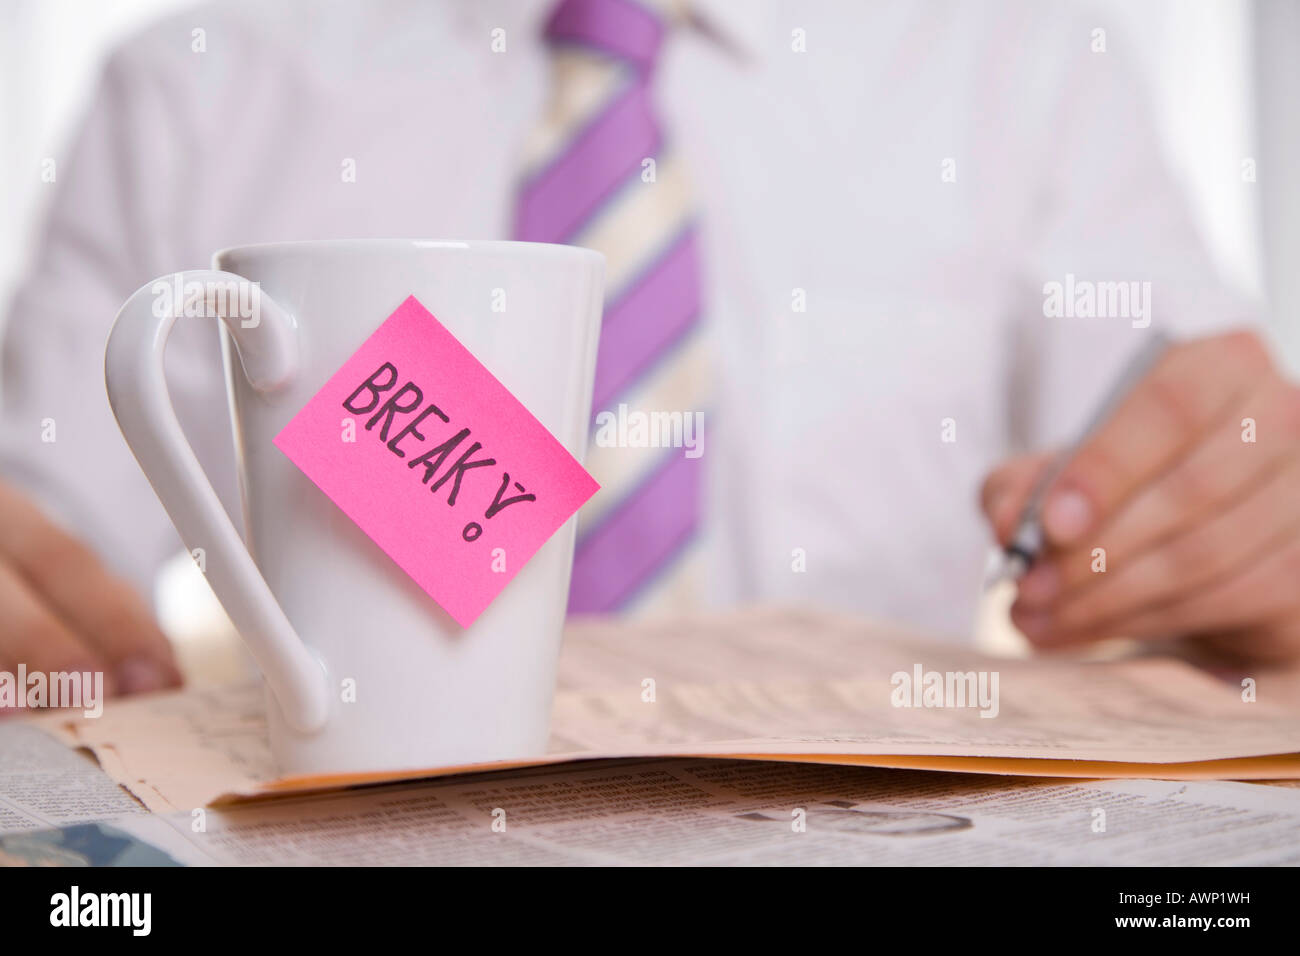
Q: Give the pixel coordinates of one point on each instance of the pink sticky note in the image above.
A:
(446, 466)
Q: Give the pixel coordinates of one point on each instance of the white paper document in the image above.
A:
(767, 684)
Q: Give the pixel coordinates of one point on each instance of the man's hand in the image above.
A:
(1189, 497)
(62, 610)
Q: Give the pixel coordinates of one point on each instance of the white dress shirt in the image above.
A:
(917, 173)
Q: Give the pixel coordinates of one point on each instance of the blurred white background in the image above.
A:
(1222, 74)
(50, 54)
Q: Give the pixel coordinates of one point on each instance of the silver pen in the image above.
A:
(1027, 543)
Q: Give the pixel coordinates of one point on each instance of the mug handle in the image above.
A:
(137, 391)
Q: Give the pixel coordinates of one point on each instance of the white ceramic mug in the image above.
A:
(316, 601)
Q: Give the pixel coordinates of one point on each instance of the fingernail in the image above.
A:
(1000, 511)
(1068, 515)
(1040, 586)
(138, 675)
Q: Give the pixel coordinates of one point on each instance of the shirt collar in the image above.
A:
(737, 27)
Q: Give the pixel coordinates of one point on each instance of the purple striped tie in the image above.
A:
(588, 186)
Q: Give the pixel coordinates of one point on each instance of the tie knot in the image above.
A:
(628, 30)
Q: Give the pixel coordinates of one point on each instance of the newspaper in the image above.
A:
(709, 812)
(771, 684)
(44, 784)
